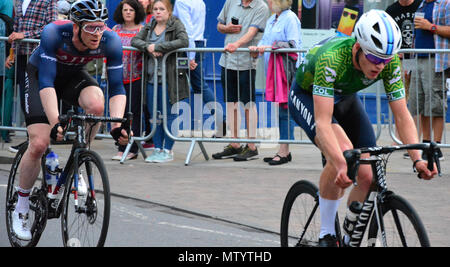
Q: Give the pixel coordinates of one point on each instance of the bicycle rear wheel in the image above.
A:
(403, 227)
(38, 204)
(87, 224)
(300, 218)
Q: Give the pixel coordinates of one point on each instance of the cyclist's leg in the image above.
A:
(38, 130)
(353, 118)
(39, 139)
(80, 89)
(301, 106)
(93, 102)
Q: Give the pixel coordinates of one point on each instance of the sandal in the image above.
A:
(289, 157)
(282, 160)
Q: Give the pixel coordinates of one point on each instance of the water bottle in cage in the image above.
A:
(51, 174)
(351, 217)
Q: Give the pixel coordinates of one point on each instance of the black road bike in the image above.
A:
(391, 219)
(84, 215)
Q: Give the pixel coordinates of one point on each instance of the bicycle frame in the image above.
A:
(79, 146)
(371, 204)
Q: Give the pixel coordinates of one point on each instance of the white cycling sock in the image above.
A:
(328, 209)
(23, 204)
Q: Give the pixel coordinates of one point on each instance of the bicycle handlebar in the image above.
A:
(353, 156)
(126, 121)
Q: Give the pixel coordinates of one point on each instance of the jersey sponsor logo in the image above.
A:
(396, 95)
(114, 67)
(68, 59)
(323, 91)
(330, 75)
(396, 74)
(304, 111)
(44, 56)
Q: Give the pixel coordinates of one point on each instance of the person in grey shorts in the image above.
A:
(243, 22)
(428, 99)
(428, 96)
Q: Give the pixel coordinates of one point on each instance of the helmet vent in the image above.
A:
(376, 42)
(376, 27)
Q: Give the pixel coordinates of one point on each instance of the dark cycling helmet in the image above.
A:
(88, 10)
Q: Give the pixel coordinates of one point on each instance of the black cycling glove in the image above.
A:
(54, 131)
(116, 133)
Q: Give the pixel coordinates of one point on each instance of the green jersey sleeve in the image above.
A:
(326, 73)
(392, 80)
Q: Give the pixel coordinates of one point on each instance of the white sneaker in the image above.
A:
(154, 156)
(165, 156)
(118, 156)
(20, 226)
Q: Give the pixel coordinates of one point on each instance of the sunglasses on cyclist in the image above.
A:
(377, 60)
(92, 29)
(352, 16)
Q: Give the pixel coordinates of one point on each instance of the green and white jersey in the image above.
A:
(328, 70)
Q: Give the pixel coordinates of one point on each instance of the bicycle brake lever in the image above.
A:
(438, 164)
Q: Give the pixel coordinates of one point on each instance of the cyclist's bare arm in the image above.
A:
(408, 135)
(327, 140)
(117, 105)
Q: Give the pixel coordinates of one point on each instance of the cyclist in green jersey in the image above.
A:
(324, 103)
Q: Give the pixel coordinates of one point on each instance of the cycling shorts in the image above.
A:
(68, 87)
(348, 112)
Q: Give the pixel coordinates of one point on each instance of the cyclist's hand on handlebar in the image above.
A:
(120, 135)
(424, 172)
(342, 179)
(57, 132)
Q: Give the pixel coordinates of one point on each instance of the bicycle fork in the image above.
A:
(76, 178)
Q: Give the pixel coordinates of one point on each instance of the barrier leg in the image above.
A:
(191, 149)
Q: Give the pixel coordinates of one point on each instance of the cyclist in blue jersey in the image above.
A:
(56, 70)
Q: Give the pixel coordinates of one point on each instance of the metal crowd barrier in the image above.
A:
(266, 131)
(200, 140)
(411, 65)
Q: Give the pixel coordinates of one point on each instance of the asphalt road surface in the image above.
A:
(136, 223)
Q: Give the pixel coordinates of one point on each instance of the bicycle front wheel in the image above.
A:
(86, 212)
(300, 218)
(402, 225)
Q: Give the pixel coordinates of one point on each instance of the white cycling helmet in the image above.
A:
(378, 34)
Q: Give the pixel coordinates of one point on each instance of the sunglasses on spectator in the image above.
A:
(92, 29)
(377, 60)
(352, 16)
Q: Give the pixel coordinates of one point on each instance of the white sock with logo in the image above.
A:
(23, 203)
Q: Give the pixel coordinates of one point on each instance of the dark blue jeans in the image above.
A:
(197, 78)
(161, 139)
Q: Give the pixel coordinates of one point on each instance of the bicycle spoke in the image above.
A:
(399, 227)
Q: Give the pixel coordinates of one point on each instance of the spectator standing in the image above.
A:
(29, 20)
(129, 15)
(147, 4)
(163, 34)
(6, 75)
(402, 11)
(148, 145)
(243, 23)
(283, 30)
(432, 32)
(193, 15)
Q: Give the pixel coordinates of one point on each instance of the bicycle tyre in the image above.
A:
(308, 194)
(394, 206)
(38, 205)
(96, 205)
